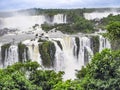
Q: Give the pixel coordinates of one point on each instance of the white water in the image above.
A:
(33, 50)
(59, 18)
(22, 22)
(1, 64)
(66, 60)
(98, 15)
(25, 23)
(104, 43)
(11, 55)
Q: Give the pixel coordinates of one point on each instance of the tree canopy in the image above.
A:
(102, 73)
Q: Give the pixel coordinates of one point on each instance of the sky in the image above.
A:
(8, 5)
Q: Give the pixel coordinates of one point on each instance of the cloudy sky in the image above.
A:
(6, 5)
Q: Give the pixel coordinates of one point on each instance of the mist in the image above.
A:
(100, 15)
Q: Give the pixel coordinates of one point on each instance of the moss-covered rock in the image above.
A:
(47, 50)
(95, 44)
(86, 56)
(3, 50)
(41, 40)
(115, 44)
(22, 52)
(78, 45)
(59, 44)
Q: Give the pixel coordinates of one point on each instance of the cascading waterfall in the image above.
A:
(33, 52)
(11, 55)
(59, 18)
(67, 59)
(59, 57)
(1, 64)
(85, 45)
(71, 53)
(104, 43)
(30, 21)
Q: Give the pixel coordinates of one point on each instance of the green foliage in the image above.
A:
(47, 50)
(82, 25)
(68, 85)
(14, 77)
(75, 23)
(115, 44)
(105, 21)
(4, 48)
(102, 73)
(113, 34)
(26, 76)
(64, 86)
(81, 73)
(104, 65)
(21, 50)
(47, 26)
(113, 30)
(46, 78)
(31, 66)
(79, 11)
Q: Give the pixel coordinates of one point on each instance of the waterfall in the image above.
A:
(59, 18)
(85, 44)
(30, 21)
(71, 53)
(33, 50)
(1, 64)
(104, 43)
(34, 54)
(99, 15)
(59, 63)
(11, 56)
(67, 59)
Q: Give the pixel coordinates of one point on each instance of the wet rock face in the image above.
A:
(47, 51)
(5, 31)
(95, 44)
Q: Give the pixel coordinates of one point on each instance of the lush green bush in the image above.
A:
(113, 34)
(111, 18)
(47, 26)
(113, 30)
(46, 78)
(26, 76)
(102, 73)
(14, 77)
